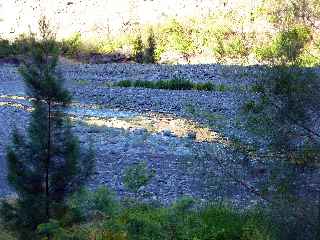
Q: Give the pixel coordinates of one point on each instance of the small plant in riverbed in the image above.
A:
(137, 176)
(82, 82)
(190, 108)
(143, 84)
(177, 83)
(173, 84)
(207, 86)
(124, 83)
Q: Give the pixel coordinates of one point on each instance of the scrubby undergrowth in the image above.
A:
(99, 215)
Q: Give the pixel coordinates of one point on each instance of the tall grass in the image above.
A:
(173, 84)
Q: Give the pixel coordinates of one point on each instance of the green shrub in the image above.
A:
(143, 84)
(176, 36)
(207, 86)
(124, 83)
(149, 52)
(22, 44)
(137, 176)
(236, 47)
(218, 47)
(258, 88)
(4, 235)
(72, 46)
(5, 48)
(173, 84)
(184, 221)
(309, 60)
(109, 45)
(252, 106)
(84, 205)
(222, 88)
(286, 46)
(177, 83)
(289, 44)
(144, 224)
(138, 49)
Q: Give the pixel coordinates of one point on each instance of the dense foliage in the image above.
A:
(47, 165)
(177, 83)
(284, 110)
(225, 36)
(98, 215)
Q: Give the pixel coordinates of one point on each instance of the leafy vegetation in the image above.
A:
(137, 176)
(173, 84)
(72, 46)
(286, 46)
(99, 215)
(48, 175)
(283, 112)
(220, 36)
(138, 49)
(149, 52)
(47, 165)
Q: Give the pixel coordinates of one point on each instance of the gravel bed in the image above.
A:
(179, 162)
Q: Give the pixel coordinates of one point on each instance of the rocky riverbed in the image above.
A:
(181, 135)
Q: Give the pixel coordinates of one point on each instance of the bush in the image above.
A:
(124, 83)
(109, 45)
(72, 46)
(5, 48)
(177, 83)
(218, 45)
(22, 44)
(175, 36)
(184, 221)
(138, 49)
(174, 84)
(143, 84)
(208, 86)
(4, 235)
(149, 52)
(84, 205)
(286, 47)
(137, 176)
(236, 47)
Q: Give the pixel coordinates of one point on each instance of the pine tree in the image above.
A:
(138, 49)
(48, 164)
(149, 52)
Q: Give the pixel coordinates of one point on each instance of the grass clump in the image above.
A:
(207, 86)
(143, 84)
(173, 84)
(124, 83)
